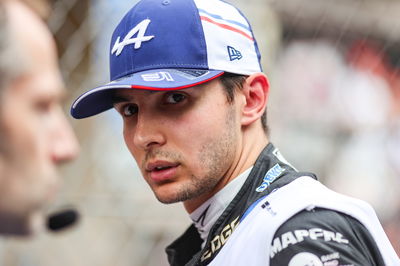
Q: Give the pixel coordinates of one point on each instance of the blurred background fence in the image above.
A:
(334, 110)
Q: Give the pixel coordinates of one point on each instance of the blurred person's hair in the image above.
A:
(11, 63)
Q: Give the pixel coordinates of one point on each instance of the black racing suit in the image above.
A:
(186, 250)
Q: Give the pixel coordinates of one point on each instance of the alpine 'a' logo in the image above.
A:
(140, 30)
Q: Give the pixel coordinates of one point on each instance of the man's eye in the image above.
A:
(129, 110)
(175, 98)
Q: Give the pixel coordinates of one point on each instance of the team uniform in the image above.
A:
(283, 217)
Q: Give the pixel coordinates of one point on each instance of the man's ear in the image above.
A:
(255, 90)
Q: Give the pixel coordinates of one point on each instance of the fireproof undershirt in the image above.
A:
(207, 214)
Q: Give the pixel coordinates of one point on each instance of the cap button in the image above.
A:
(166, 2)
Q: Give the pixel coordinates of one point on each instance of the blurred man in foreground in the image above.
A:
(35, 135)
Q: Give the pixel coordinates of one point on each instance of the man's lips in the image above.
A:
(160, 165)
(162, 170)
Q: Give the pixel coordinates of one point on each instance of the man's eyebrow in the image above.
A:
(125, 98)
(120, 99)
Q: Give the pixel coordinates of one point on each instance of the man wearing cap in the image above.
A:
(187, 81)
(35, 135)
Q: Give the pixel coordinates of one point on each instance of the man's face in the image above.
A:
(35, 134)
(184, 141)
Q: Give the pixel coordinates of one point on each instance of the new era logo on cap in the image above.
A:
(170, 45)
(234, 54)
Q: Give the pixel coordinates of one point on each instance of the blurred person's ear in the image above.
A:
(40, 7)
(255, 91)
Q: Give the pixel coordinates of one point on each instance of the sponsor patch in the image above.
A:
(157, 76)
(219, 240)
(297, 236)
(270, 176)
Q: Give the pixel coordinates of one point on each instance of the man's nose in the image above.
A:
(148, 132)
(65, 145)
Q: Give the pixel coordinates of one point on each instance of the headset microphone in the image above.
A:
(62, 220)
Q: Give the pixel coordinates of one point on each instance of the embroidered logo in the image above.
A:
(270, 176)
(140, 30)
(219, 240)
(295, 237)
(234, 54)
(157, 76)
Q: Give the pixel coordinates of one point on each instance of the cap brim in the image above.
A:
(101, 98)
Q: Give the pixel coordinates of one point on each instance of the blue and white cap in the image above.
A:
(172, 45)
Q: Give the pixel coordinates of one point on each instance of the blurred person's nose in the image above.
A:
(65, 146)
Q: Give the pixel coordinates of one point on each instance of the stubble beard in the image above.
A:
(215, 156)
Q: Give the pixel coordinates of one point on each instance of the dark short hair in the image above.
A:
(232, 82)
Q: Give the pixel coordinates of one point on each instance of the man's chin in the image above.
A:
(166, 199)
(170, 196)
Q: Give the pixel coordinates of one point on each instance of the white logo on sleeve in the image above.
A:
(140, 30)
(305, 259)
(297, 236)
